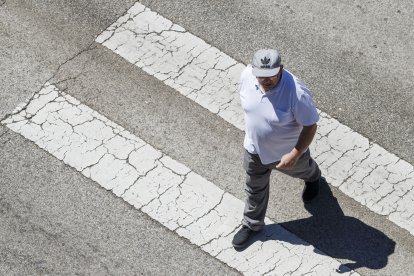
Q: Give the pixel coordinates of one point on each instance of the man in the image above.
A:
(280, 123)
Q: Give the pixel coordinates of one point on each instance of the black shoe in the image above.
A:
(310, 191)
(242, 236)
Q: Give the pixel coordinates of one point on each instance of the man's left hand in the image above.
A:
(288, 161)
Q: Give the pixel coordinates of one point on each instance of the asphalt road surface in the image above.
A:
(355, 57)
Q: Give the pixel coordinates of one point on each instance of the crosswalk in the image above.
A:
(174, 195)
(152, 182)
(361, 169)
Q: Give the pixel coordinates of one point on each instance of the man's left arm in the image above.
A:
(305, 139)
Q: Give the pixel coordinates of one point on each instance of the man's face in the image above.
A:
(270, 82)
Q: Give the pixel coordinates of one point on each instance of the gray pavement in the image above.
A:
(36, 37)
(59, 222)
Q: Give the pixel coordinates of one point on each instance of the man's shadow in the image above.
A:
(335, 234)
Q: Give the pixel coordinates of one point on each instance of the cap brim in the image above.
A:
(265, 73)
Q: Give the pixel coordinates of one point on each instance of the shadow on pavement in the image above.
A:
(335, 234)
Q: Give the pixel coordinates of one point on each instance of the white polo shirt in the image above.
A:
(274, 120)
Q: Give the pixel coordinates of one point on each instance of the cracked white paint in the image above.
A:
(362, 170)
(156, 184)
(185, 62)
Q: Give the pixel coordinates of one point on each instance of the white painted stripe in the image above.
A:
(361, 169)
(166, 190)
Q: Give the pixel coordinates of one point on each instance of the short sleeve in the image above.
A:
(305, 111)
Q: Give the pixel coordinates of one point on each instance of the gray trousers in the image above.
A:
(257, 184)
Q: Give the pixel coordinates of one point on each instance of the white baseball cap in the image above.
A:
(266, 63)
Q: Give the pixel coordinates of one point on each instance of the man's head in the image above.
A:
(267, 67)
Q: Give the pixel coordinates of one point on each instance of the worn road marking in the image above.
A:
(361, 169)
(166, 190)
